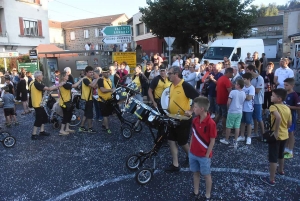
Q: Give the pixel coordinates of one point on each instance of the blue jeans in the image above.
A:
(97, 109)
(199, 164)
(212, 104)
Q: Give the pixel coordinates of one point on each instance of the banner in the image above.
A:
(128, 57)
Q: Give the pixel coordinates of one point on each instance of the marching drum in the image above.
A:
(119, 95)
(142, 111)
(131, 106)
(154, 118)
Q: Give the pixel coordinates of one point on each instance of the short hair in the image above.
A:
(228, 70)
(271, 64)
(62, 75)
(176, 69)
(155, 64)
(5, 88)
(241, 83)
(22, 74)
(264, 54)
(281, 93)
(202, 101)
(206, 62)
(255, 52)
(88, 68)
(242, 64)
(98, 68)
(251, 67)
(67, 69)
(7, 78)
(97, 71)
(290, 81)
(37, 74)
(57, 72)
(247, 76)
(285, 60)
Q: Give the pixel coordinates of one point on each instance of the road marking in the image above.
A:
(124, 177)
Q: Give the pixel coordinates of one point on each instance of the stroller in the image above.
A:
(54, 111)
(7, 140)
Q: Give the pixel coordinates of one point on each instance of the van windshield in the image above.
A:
(218, 53)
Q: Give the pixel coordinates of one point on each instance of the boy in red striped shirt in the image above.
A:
(202, 142)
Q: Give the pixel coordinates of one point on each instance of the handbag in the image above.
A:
(69, 106)
(82, 102)
(268, 136)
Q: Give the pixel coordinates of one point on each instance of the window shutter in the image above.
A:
(21, 26)
(96, 32)
(40, 29)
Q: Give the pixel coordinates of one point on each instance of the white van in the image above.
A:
(234, 49)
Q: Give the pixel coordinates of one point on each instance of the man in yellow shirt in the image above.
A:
(36, 89)
(282, 116)
(105, 90)
(87, 95)
(179, 103)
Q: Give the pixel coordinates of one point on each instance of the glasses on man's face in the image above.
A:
(170, 73)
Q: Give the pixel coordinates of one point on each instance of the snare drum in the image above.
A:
(119, 95)
(153, 118)
(142, 111)
(133, 86)
(131, 106)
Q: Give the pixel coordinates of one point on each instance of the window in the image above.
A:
(30, 28)
(148, 30)
(72, 35)
(218, 53)
(98, 32)
(140, 29)
(86, 33)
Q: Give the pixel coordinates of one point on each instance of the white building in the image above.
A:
(56, 34)
(23, 24)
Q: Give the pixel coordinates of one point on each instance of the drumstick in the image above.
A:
(179, 106)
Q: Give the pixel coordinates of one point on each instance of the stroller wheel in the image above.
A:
(9, 141)
(143, 176)
(126, 132)
(133, 162)
(76, 117)
(3, 135)
(56, 124)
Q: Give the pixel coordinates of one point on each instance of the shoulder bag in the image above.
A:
(268, 136)
(69, 105)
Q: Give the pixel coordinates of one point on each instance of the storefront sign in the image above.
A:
(128, 57)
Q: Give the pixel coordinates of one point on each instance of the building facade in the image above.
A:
(144, 39)
(56, 34)
(270, 29)
(23, 24)
(291, 33)
(79, 33)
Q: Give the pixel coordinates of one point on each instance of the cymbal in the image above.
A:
(178, 116)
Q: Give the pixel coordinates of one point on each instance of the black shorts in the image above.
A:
(24, 96)
(276, 151)
(41, 116)
(9, 111)
(181, 133)
(88, 112)
(106, 109)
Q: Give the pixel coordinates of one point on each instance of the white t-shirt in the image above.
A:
(87, 47)
(249, 105)
(282, 74)
(237, 100)
(259, 83)
(177, 63)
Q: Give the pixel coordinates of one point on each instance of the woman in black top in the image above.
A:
(268, 76)
(22, 93)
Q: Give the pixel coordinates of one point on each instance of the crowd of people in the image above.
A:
(238, 96)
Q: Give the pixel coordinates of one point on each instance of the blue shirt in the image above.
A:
(292, 99)
(212, 85)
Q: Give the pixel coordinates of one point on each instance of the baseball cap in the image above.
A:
(105, 70)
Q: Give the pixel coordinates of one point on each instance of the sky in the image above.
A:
(67, 10)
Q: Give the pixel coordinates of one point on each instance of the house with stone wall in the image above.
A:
(79, 33)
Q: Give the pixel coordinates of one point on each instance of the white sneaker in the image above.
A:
(248, 140)
(212, 115)
(235, 144)
(224, 141)
(240, 139)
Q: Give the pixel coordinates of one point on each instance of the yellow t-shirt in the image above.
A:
(36, 93)
(286, 117)
(107, 84)
(177, 95)
(137, 81)
(65, 93)
(161, 86)
(86, 90)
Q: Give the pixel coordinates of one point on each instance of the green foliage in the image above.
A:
(184, 18)
(270, 10)
(294, 4)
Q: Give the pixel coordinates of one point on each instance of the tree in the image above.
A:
(270, 10)
(185, 18)
(294, 4)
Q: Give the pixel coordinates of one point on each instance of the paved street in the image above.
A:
(92, 167)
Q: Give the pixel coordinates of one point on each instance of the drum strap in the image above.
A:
(169, 94)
